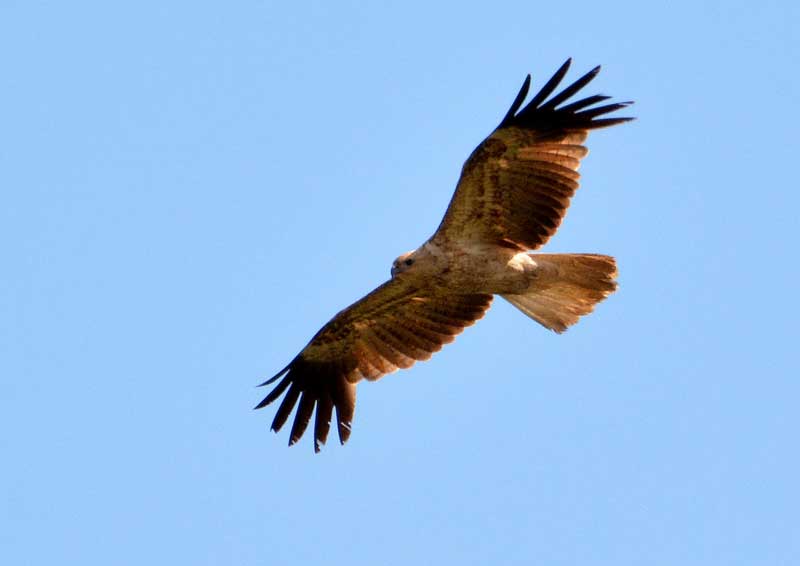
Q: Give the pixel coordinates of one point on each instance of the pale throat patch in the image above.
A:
(431, 249)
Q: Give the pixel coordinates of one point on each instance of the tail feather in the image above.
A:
(567, 287)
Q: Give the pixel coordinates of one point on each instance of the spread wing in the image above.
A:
(516, 186)
(391, 328)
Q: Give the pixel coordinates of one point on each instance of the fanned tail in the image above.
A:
(570, 287)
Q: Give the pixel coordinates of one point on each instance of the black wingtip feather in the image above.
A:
(600, 110)
(275, 393)
(275, 377)
(523, 92)
(319, 386)
(344, 399)
(345, 429)
(302, 417)
(322, 421)
(548, 115)
(550, 85)
(584, 102)
(571, 89)
(285, 408)
(608, 122)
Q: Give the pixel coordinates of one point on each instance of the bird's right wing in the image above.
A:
(390, 328)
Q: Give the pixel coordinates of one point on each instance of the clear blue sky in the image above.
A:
(190, 191)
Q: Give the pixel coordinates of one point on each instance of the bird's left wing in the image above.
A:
(389, 329)
(516, 186)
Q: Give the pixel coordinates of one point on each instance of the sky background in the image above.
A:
(190, 190)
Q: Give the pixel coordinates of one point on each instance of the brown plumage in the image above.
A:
(513, 194)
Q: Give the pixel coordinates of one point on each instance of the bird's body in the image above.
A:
(469, 267)
(513, 193)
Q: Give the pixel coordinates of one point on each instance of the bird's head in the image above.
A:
(403, 263)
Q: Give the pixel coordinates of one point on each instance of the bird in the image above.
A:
(513, 193)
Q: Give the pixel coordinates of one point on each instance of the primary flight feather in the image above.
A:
(512, 195)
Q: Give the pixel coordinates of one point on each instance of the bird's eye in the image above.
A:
(408, 261)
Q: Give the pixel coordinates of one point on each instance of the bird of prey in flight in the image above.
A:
(513, 193)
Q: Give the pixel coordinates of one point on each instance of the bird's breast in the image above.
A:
(483, 269)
